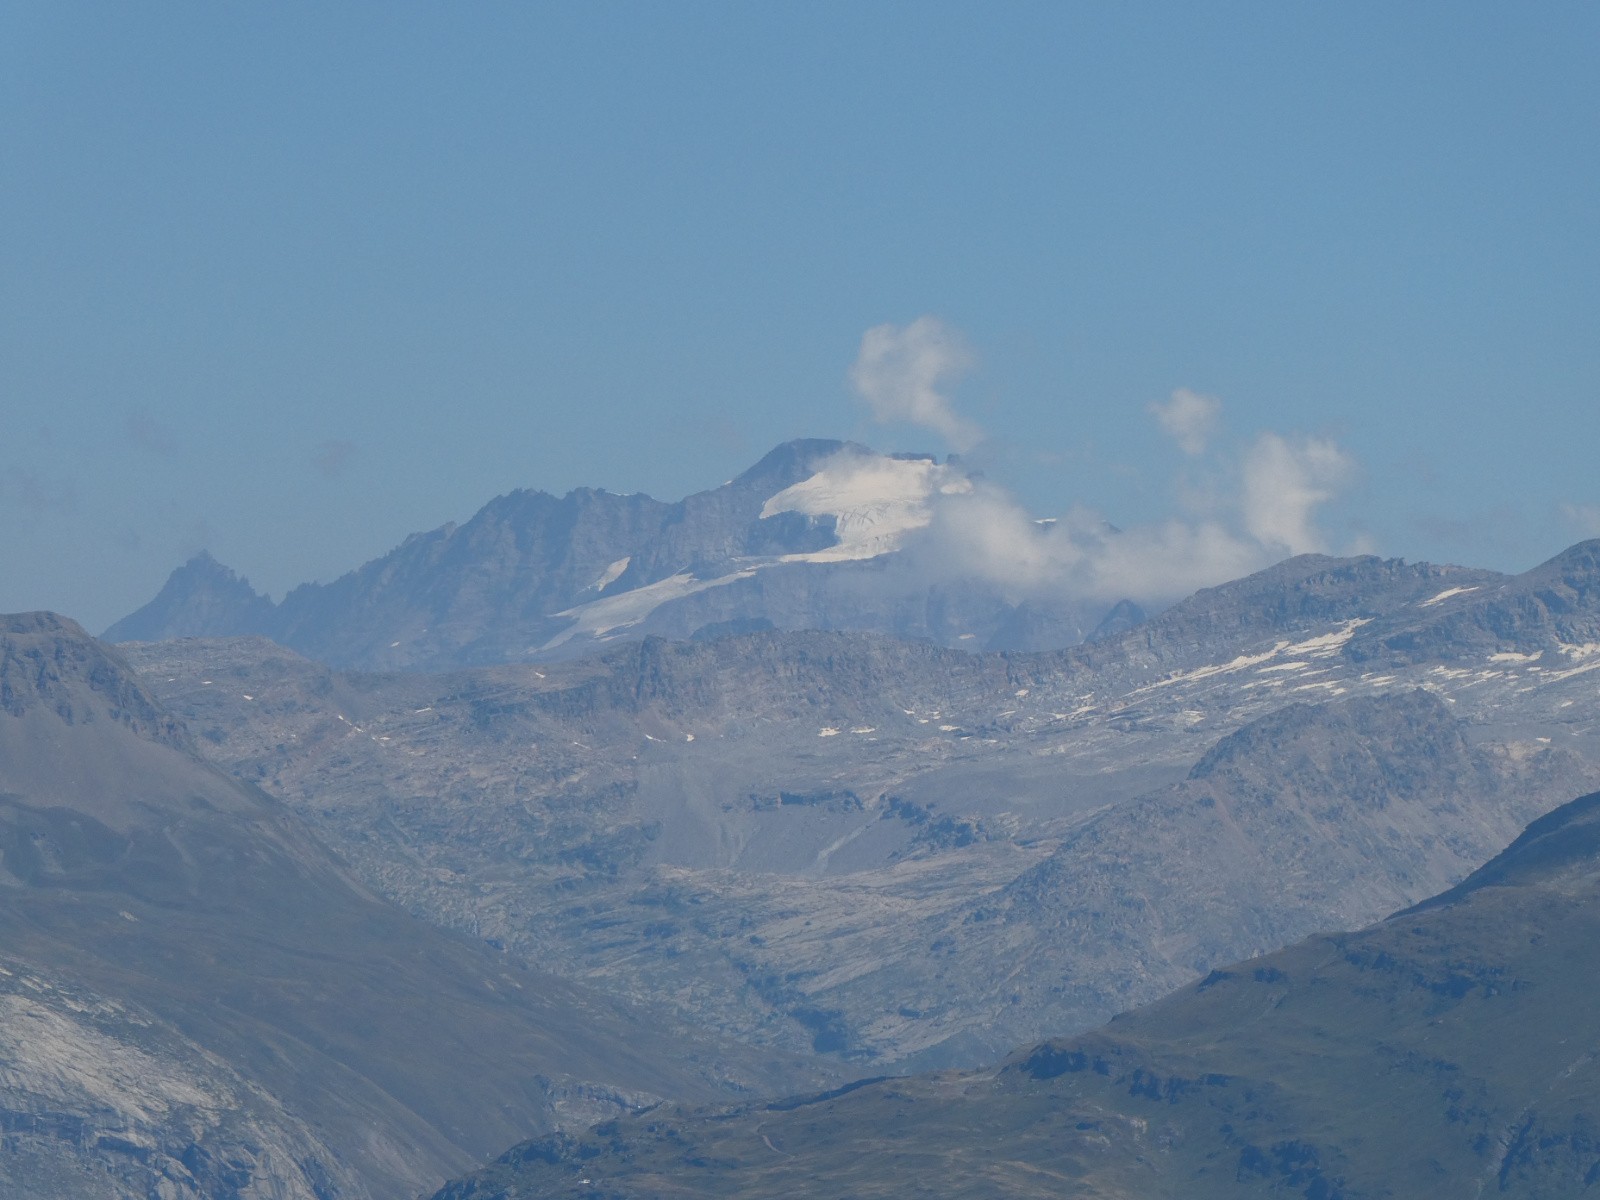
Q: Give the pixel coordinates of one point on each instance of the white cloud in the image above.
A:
(1246, 511)
(1284, 482)
(1584, 518)
(1189, 419)
(986, 533)
(899, 372)
(1265, 508)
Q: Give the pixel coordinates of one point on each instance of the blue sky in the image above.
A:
(292, 281)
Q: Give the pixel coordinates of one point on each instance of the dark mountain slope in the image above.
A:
(253, 1020)
(1452, 1051)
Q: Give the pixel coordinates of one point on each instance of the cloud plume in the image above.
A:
(1285, 481)
(1239, 506)
(901, 372)
(1189, 419)
(1081, 555)
(1262, 503)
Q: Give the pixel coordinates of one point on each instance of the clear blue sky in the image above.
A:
(291, 281)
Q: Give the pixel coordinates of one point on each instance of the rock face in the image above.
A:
(198, 1002)
(814, 536)
(899, 854)
(1446, 1051)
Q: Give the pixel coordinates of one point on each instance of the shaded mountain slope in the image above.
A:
(223, 1011)
(1451, 1051)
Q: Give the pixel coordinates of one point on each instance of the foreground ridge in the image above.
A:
(1446, 1051)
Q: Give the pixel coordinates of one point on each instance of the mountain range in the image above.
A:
(596, 805)
(817, 535)
(895, 853)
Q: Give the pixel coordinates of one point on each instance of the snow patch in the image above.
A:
(1447, 593)
(874, 502)
(1328, 643)
(610, 574)
(1322, 646)
(600, 617)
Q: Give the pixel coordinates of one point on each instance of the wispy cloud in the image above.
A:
(150, 435)
(1285, 481)
(902, 371)
(1583, 518)
(332, 457)
(36, 493)
(1258, 502)
(1189, 419)
(1081, 555)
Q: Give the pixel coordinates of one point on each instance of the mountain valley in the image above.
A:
(200, 1003)
(895, 853)
(472, 837)
(1449, 1051)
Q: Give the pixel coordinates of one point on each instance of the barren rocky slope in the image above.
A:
(905, 854)
(197, 1001)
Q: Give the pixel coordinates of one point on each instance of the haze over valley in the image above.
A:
(635, 602)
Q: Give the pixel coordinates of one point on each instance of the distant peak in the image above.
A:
(204, 563)
(1582, 559)
(795, 460)
(202, 598)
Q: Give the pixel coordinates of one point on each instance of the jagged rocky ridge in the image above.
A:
(902, 854)
(814, 536)
(197, 1002)
(1448, 1051)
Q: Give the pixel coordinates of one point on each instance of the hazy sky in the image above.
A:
(291, 281)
